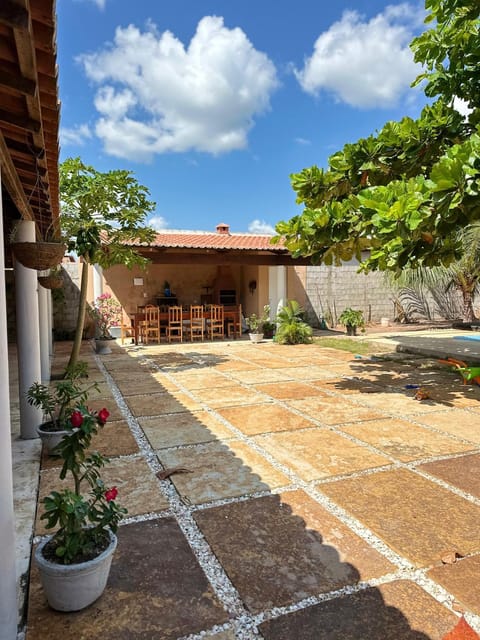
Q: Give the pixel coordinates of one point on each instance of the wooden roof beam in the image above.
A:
(12, 182)
(17, 83)
(13, 15)
(21, 122)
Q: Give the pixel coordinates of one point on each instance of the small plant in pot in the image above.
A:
(74, 562)
(107, 313)
(256, 323)
(166, 289)
(352, 319)
(57, 403)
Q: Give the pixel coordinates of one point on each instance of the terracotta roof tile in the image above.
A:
(204, 240)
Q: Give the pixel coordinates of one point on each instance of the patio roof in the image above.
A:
(29, 111)
(222, 247)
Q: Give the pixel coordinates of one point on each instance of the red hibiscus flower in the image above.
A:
(76, 419)
(111, 494)
(103, 415)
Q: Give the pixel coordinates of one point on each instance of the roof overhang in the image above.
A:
(29, 112)
(160, 255)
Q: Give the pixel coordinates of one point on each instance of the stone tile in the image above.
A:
(463, 472)
(462, 579)
(222, 635)
(206, 379)
(400, 610)
(156, 589)
(457, 422)
(287, 390)
(404, 440)
(414, 516)
(220, 471)
(235, 365)
(280, 549)
(230, 396)
(329, 410)
(319, 453)
(257, 376)
(183, 428)
(138, 488)
(302, 372)
(263, 418)
(396, 403)
(346, 386)
(96, 404)
(146, 384)
(157, 404)
(115, 439)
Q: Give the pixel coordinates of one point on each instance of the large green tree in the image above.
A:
(404, 192)
(101, 213)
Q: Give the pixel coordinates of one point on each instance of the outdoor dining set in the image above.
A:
(152, 323)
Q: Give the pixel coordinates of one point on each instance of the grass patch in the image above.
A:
(362, 347)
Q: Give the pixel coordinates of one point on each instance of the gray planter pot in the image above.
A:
(50, 439)
(256, 337)
(71, 587)
(102, 347)
(115, 332)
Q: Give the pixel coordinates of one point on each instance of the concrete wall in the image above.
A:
(329, 290)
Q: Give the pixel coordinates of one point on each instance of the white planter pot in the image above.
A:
(256, 337)
(115, 332)
(50, 439)
(71, 587)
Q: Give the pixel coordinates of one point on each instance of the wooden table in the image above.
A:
(230, 314)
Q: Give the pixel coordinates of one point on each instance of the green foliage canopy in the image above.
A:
(404, 192)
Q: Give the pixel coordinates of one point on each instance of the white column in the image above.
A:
(44, 325)
(50, 323)
(277, 289)
(8, 579)
(28, 335)
(97, 280)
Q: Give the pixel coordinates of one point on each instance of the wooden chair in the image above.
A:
(175, 324)
(151, 326)
(197, 322)
(215, 324)
(234, 323)
(126, 331)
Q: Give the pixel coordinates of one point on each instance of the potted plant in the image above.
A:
(74, 562)
(53, 280)
(256, 324)
(352, 320)
(107, 313)
(292, 329)
(57, 403)
(42, 254)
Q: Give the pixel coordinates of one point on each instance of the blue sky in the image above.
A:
(213, 104)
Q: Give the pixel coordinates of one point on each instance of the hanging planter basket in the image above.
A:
(39, 255)
(51, 282)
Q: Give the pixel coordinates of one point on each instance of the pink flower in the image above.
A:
(103, 415)
(76, 419)
(111, 494)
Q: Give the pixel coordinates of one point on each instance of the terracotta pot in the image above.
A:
(71, 587)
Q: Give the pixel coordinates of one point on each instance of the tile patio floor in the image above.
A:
(320, 500)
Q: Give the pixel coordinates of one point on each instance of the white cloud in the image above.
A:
(260, 226)
(461, 106)
(100, 3)
(303, 141)
(364, 63)
(75, 135)
(158, 223)
(156, 95)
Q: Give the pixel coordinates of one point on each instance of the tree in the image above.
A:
(101, 213)
(403, 193)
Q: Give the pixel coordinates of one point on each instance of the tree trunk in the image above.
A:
(468, 315)
(82, 305)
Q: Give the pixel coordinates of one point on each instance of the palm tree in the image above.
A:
(462, 275)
